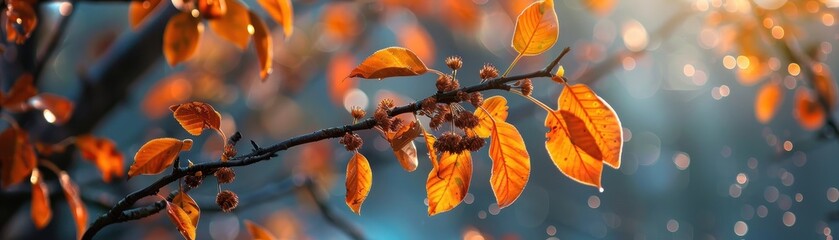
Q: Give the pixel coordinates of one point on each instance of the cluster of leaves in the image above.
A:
(21, 20)
(584, 132)
(230, 19)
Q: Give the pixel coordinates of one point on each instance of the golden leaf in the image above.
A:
(156, 155)
(188, 205)
(104, 153)
(71, 192)
(339, 86)
(41, 212)
(139, 10)
(429, 144)
(537, 29)
(768, 100)
(212, 9)
(359, 181)
(263, 45)
(282, 12)
(402, 143)
(390, 62)
(173, 89)
(258, 232)
(194, 117)
(415, 37)
(233, 25)
(807, 110)
(448, 183)
(21, 92)
(182, 220)
(180, 39)
(61, 108)
(497, 108)
(17, 156)
(510, 163)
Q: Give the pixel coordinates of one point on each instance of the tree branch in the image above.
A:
(117, 213)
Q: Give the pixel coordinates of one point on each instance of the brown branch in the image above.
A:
(118, 212)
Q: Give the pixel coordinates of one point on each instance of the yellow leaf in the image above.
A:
(17, 156)
(769, 98)
(429, 144)
(588, 135)
(282, 12)
(258, 232)
(188, 205)
(497, 108)
(402, 143)
(359, 180)
(181, 220)
(263, 45)
(71, 192)
(61, 108)
(156, 155)
(537, 29)
(104, 153)
(194, 117)
(22, 90)
(139, 10)
(233, 25)
(807, 110)
(448, 183)
(390, 62)
(41, 212)
(180, 39)
(510, 163)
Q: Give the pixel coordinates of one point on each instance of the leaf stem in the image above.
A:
(515, 61)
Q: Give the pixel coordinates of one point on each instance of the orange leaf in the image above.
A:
(181, 220)
(20, 16)
(809, 113)
(180, 39)
(17, 156)
(174, 89)
(510, 163)
(282, 12)
(56, 108)
(258, 232)
(156, 155)
(188, 205)
(233, 25)
(21, 92)
(263, 45)
(340, 22)
(448, 183)
(429, 144)
(41, 212)
(71, 192)
(212, 9)
(338, 84)
(104, 153)
(389, 62)
(194, 117)
(139, 10)
(359, 181)
(537, 29)
(402, 143)
(588, 135)
(769, 98)
(415, 37)
(824, 85)
(497, 107)
(465, 15)
(600, 7)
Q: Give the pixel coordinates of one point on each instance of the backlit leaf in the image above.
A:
(41, 212)
(600, 7)
(21, 21)
(769, 99)
(212, 9)
(416, 37)
(258, 232)
(807, 110)
(282, 12)
(71, 192)
(233, 25)
(510, 163)
(402, 143)
(59, 107)
(359, 180)
(429, 144)
(263, 45)
(194, 117)
(340, 22)
(448, 183)
(17, 98)
(17, 156)
(390, 62)
(181, 220)
(180, 39)
(174, 89)
(537, 29)
(339, 85)
(156, 155)
(188, 205)
(104, 153)
(139, 10)
(497, 107)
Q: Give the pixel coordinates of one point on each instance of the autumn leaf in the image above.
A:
(807, 110)
(769, 99)
(21, 21)
(340, 22)
(188, 205)
(497, 108)
(359, 181)
(465, 15)
(233, 25)
(258, 232)
(182, 220)
(156, 155)
(104, 153)
(429, 144)
(71, 192)
(59, 108)
(415, 37)
(17, 156)
(339, 86)
(17, 98)
(448, 183)
(212, 9)
(194, 117)
(510, 163)
(588, 135)
(537, 29)
(180, 39)
(173, 89)
(390, 62)
(402, 143)
(139, 10)
(263, 45)
(600, 7)
(282, 12)
(41, 212)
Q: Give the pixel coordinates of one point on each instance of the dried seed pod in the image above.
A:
(466, 120)
(476, 98)
(527, 87)
(351, 142)
(357, 113)
(449, 142)
(454, 62)
(193, 181)
(227, 200)
(488, 71)
(225, 175)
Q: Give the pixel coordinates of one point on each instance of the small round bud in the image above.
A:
(454, 85)
(227, 200)
(382, 119)
(357, 113)
(387, 104)
(463, 96)
(449, 142)
(193, 181)
(473, 143)
(443, 83)
(454, 62)
(476, 98)
(526, 87)
(429, 105)
(225, 175)
(488, 71)
(351, 142)
(466, 120)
